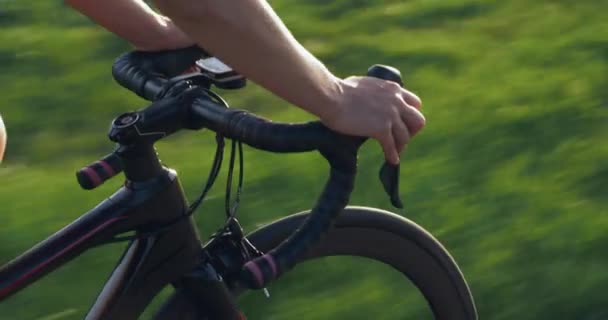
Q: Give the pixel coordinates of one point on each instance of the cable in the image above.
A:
(231, 209)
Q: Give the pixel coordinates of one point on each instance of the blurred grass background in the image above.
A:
(511, 172)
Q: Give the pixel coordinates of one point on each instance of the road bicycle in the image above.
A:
(151, 213)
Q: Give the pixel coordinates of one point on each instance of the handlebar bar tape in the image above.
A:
(95, 174)
(260, 271)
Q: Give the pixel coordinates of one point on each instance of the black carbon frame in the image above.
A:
(153, 200)
(149, 263)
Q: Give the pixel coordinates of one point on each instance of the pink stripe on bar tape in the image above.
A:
(93, 176)
(107, 167)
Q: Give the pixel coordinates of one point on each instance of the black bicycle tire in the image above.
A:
(366, 232)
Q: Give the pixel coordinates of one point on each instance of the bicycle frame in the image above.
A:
(149, 262)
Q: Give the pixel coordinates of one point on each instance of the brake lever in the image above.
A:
(389, 176)
(389, 173)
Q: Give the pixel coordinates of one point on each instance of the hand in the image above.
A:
(2, 139)
(376, 108)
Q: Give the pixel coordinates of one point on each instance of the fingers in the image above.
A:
(403, 128)
(407, 121)
(401, 135)
(411, 99)
(388, 113)
(388, 146)
(413, 119)
(395, 141)
(409, 108)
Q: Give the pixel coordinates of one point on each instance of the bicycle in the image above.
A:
(151, 211)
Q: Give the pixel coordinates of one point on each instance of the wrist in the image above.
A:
(329, 101)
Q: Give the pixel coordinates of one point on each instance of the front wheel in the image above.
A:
(390, 239)
(393, 240)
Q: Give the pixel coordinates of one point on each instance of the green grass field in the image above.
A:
(511, 172)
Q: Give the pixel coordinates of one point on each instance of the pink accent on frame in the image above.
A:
(5, 291)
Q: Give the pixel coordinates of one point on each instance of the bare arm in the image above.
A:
(134, 21)
(250, 37)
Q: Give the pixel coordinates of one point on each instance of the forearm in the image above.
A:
(134, 21)
(249, 36)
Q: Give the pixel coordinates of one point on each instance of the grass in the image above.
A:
(510, 172)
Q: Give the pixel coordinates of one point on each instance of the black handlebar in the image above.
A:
(339, 150)
(94, 175)
(148, 75)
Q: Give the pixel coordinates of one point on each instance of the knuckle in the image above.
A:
(412, 99)
(417, 124)
(394, 86)
(415, 101)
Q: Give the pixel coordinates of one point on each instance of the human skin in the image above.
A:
(2, 139)
(250, 37)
